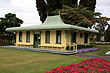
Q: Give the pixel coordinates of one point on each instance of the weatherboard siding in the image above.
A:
(78, 39)
(52, 44)
(24, 43)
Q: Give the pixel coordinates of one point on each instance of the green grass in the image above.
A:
(18, 61)
(101, 52)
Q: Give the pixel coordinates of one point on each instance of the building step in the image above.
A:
(41, 50)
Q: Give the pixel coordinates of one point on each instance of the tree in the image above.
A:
(10, 20)
(70, 3)
(107, 34)
(41, 8)
(88, 3)
(44, 8)
(101, 23)
(78, 15)
(47, 7)
(53, 5)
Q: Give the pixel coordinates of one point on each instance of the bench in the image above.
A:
(24, 44)
(53, 47)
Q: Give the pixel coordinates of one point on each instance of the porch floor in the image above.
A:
(41, 50)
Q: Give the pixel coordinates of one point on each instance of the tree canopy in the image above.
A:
(49, 6)
(70, 3)
(78, 15)
(41, 8)
(10, 20)
(53, 5)
(88, 3)
(101, 23)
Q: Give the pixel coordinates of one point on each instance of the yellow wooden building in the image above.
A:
(52, 34)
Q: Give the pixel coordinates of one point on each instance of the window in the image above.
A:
(28, 36)
(81, 35)
(85, 38)
(73, 37)
(47, 38)
(58, 37)
(20, 36)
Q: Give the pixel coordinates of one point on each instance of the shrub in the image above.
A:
(67, 47)
(84, 46)
(79, 47)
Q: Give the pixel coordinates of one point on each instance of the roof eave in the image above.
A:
(89, 30)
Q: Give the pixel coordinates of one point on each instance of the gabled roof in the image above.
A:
(52, 23)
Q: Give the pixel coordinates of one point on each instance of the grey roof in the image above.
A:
(52, 23)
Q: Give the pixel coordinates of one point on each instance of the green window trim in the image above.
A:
(40, 37)
(27, 36)
(33, 41)
(57, 37)
(66, 34)
(20, 36)
(47, 33)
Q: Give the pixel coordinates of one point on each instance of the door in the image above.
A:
(73, 37)
(36, 40)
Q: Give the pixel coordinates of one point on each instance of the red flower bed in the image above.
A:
(96, 65)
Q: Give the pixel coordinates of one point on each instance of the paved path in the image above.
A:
(41, 50)
(91, 56)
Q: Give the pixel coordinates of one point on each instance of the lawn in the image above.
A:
(101, 52)
(18, 61)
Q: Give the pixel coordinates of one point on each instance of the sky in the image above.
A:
(27, 11)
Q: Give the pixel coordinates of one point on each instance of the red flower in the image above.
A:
(97, 65)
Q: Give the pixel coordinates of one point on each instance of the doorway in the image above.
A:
(73, 37)
(36, 40)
